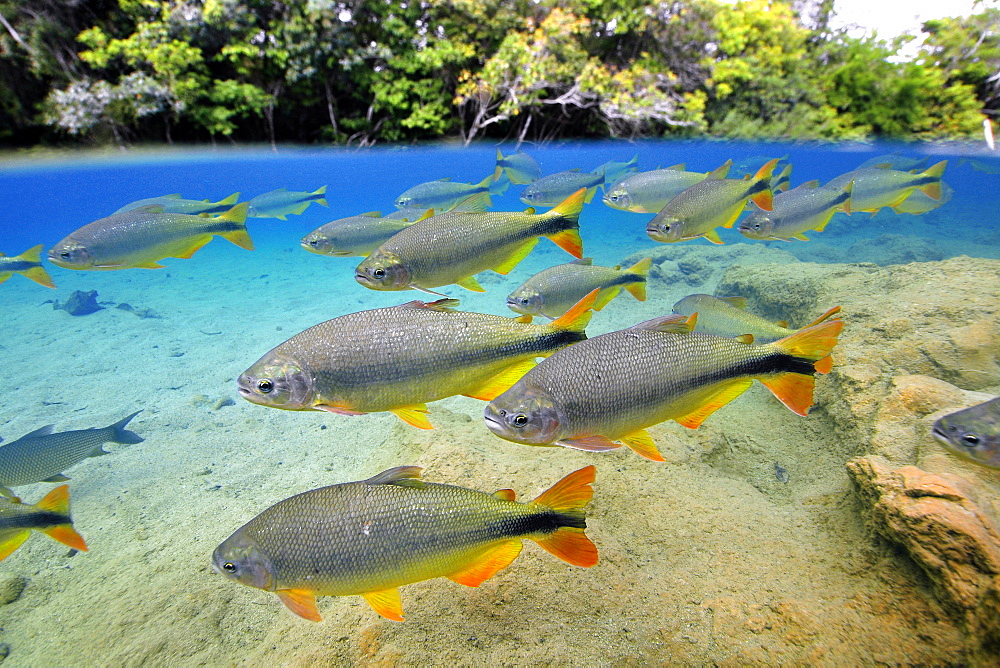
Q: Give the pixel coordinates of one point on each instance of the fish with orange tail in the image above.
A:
(612, 387)
(49, 516)
(370, 537)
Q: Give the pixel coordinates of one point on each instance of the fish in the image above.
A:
(28, 264)
(612, 387)
(875, 188)
(370, 537)
(783, 181)
(748, 166)
(354, 235)
(42, 456)
(648, 192)
(972, 433)
(918, 203)
(520, 168)
(616, 171)
(399, 358)
(697, 211)
(898, 161)
(554, 188)
(727, 316)
(450, 248)
(282, 203)
(174, 204)
(553, 291)
(49, 516)
(797, 211)
(444, 194)
(142, 237)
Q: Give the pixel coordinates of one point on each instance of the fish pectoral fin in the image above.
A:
(337, 410)
(196, 245)
(501, 382)
(642, 444)
(12, 542)
(67, 535)
(795, 390)
(415, 415)
(694, 419)
(488, 565)
(300, 601)
(59, 477)
(507, 265)
(386, 603)
(470, 283)
(595, 443)
(571, 545)
(713, 236)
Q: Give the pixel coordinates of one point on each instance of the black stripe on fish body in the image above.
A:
(37, 519)
(544, 522)
(762, 365)
(758, 187)
(14, 264)
(217, 225)
(545, 343)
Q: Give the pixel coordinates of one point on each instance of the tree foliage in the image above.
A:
(357, 72)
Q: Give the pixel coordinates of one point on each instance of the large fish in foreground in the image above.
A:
(700, 209)
(973, 433)
(49, 516)
(370, 537)
(28, 264)
(553, 291)
(797, 211)
(399, 358)
(610, 388)
(452, 247)
(282, 203)
(875, 188)
(42, 456)
(142, 237)
(727, 316)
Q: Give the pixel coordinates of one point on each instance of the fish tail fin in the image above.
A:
(578, 317)
(569, 211)
(232, 199)
(815, 342)
(936, 171)
(57, 503)
(640, 268)
(498, 171)
(493, 185)
(238, 217)
(12, 543)
(826, 316)
(812, 344)
(33, 254)
(761, 186)
(568, 499)
(38, 274)
(319, 200)
(123, 435)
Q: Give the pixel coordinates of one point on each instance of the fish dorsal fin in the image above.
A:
(173, 196)
(446, 304)
(679, 167)
(401, 476)
(41, 431)
(671, 324)
(475, 203)
(575, 169)
(149, 208)
(588, 261)
(506, 494)
(809, 185)
(447, 178)
(720, 172)
(738, 302)
(429, 213)
(530, 210)
(371, 214)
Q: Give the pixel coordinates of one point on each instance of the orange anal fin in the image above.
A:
(12, 542)
(415, 416)
(571, 545)
(5, 275)
(932, 190)
(386, 603)
(642, 444)
(488, 565)
(570, 241)
(605, 296)
(301, 602)
(589, 443)
(694, 419)
(501, 382)
(152, 264)
(196, 244)
(795, 390)
(577, 318)
(67, 535)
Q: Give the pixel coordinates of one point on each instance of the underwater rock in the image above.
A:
(12, 588)
(894, 249)
(696, 265)
(79, 303)
(142, 312)
(944, 532)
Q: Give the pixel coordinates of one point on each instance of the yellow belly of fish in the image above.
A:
(148, 257)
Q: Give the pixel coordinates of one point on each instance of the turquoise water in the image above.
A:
(153, 512)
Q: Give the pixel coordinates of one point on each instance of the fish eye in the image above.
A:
(665, 227)
(614, 198)
(519, 420)
(378, 272)
(756, 226)
(229, 567)
(265, 385)
(524, 300)
(971, 440)
(64, 255)
(314, 242)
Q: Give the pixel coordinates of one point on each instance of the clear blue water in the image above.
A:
(222, 309)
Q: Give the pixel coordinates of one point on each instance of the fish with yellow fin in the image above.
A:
(728, 316)
(553, 291)
(355, 235)
(875, 187)
(612, 387)
(399, 358)
(49, 516)
(282, 203)
(28, 264)
(142, 237)
(712, 203)
(648, 192)
(175, 204)
(444, 194)
(520, 168)
(370, 537)
(795, 212)
(451, 248)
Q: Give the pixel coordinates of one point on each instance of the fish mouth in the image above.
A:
(938, 433)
